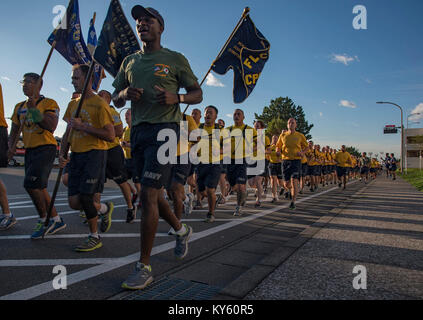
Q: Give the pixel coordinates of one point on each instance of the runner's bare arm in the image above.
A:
(49, 122)
(194, 95)
(120, 97)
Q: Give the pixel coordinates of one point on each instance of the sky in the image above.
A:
(317, 58)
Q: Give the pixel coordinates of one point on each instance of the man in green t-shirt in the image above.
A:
(151, 79)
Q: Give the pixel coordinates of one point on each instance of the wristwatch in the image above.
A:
(181, 98)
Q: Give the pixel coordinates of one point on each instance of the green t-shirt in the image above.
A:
(164, 68)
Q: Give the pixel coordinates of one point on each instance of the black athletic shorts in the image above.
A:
(130, 171)
(145, 146)
(180, 172)
(341, 171)
(237, 174)
(38, 164)
(291, 169)
(314, 171)
(364, 170)
(208, 176)
(275, 170)
(304, 169)
(393, 167)
(4, 147)
(372, 170)
(115, 165)
(87, 172)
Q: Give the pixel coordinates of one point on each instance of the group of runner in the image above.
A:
(205, 154)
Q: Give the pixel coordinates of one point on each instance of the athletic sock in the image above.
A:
(9, 215)
(181, 231)
(43, 219)
(56, 218)
(103, 208)
(94, 235)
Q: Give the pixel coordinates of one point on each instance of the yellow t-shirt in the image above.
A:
(243, 139)
(291, 144)
(95, 112)
(273, 157)
(33, 135)
(127, 138)
(211, 144)
(184, 145)
(343, 159)
(3, 122)
(261, 154)
(116, 121)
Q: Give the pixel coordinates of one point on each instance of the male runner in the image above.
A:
(151, 79)
(275, 168)
(38, 117)
(365, 166)
(292, 146)
(343, 159)
(393, 166)
(88, 136)
(243, 142)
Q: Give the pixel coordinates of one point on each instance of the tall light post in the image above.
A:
(402, 132)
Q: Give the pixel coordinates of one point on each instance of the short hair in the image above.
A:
(261, 123)
(221, 120)
(239, 110)
(195, 110)
(33, 76)
(213, 107)
(107, 92)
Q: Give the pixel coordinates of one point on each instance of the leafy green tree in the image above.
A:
(353, 151)
(275, 126)
(283, 109)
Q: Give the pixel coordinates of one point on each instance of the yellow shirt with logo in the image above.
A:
(243, 140)
(273, 156)
(184, 144)
(96, 113)
(33, 135)
(116, 121)
(291, 144)
(260, 153)
(3, 122)
(211, 143)
(343, 159)
(126, 137)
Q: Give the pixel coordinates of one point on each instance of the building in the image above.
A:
(413, 148)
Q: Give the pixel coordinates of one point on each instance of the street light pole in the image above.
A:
(402, 132)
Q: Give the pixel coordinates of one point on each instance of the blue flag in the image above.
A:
(91, 45)
(246, 54)
(116, 41)
(68, 36)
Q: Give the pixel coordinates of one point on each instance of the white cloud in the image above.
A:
(64, 89)
(417, 109)
(229, 115)
(5, 78)
(343, 58)
(347, 104)
(212, 81)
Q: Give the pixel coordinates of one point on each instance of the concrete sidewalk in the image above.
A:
(380, 228)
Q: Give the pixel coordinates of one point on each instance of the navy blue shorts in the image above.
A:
(38, 164)
(4, 147)
(291, 169)
(130, 171)
(115, 166)
(364, 170)
(87, 172)
(341, 171)
(208, 176)
(237, 174)
(180, 172)
(145, 147)
(304, 169)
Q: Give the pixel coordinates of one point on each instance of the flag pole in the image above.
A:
(67, 146)
(244, 14)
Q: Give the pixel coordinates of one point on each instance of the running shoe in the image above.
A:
(281, 192)
(210, 218)
(106, 218)
(188, 203)
(40, 229)
(7, 222)
(218, 199)
(238, 211)
(257, 204)
(292, 205)
(130, 215)
(287, 195)
(181, 247)
(171, 232)
(90, 244)
(140, 278)
(340, 184)
(198, 205)
(274, 200)
(55, 226)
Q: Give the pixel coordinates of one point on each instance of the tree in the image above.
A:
(353, 151)
(275, 126)
(283, 109)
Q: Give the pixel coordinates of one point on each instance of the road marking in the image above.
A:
(78, 236)
(112, 264)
